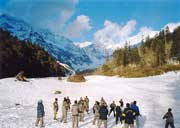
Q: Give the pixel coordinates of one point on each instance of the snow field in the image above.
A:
(154, 95)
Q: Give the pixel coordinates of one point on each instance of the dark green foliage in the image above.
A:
(16, 55)
(126, 55)
(175, 51)
(154, 51)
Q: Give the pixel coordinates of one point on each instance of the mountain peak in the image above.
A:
(60, 47)
(8, 17)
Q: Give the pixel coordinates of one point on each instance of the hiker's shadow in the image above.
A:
(111, 121)
(88, 119)
(142, 120)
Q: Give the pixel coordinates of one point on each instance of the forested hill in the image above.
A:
(16, 55)
(153, 56)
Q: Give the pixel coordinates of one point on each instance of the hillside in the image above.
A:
(16, 55)
(60, 47)
(152, 56)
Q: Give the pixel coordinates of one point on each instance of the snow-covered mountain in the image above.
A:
(63, 49)
(98, 58)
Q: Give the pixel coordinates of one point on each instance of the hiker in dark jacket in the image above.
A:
(129, 116)
(69, 103)
(112, 106)
(121, 103)
(135, 108)
(40, 114)
(169, 119)
(118, 114)
(103, 112)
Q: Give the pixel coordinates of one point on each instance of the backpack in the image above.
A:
(118, 110)
(129, 114)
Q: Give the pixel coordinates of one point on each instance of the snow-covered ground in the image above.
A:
(154, 96)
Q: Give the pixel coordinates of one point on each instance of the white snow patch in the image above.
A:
(154, 96)
(83, 44)
(172, 26)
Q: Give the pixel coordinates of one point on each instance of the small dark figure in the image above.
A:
(69, 103)
(112, 106)
(118, 114)
(121, 103)
(129, 116)
(169, 119)
(103, 112)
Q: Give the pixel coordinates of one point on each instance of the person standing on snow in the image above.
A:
(118, 114)
(86, 99)
(69, 103)
(112, 106)
(96, 108)
(55, 108)
(75, 114)
(64, 110)
(135, 108)
(169, 119)
(103, 112)
(122, 109)
(81, 109)
(121, 103)
(129, 116)
(40, 114)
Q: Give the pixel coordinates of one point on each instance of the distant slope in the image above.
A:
(58, 46)
(152, 57)
(16, 55)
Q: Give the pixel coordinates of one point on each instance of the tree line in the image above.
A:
(163, 49)
(152, 51)
(16, 56)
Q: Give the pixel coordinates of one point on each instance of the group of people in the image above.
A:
(78, 109)
(127, 114)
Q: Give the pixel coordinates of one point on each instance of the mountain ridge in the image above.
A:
(17, 55)
(60, 47)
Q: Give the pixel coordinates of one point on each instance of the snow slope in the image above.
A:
(63, 49)
(153, 94)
